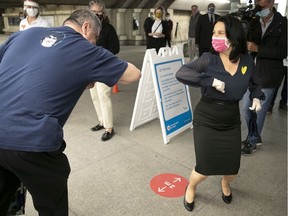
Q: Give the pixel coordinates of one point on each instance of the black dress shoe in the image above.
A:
(188, 206)
(227, 199)
(107, 135)
(97, 127)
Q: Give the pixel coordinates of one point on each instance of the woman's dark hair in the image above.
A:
(236, 35)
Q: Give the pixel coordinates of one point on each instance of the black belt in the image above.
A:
(210, 100)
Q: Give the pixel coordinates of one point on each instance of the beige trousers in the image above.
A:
(192, 49)
(101, 97)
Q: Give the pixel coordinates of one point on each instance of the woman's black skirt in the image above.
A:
(217, 137)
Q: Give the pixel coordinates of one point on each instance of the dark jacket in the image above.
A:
(147, 24)
(272, 49)
(108, 38)
(192, 25)
(156, 43)
(170, 28)
(204, 30)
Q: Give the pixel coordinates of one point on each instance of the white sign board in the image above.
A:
(160, 95)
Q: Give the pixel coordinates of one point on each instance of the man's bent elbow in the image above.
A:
(131, 74)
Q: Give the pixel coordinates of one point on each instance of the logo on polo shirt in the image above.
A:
(52, 39)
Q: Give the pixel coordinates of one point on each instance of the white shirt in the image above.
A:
(39, 22)
(157, 27)
(264, 25)
(211, 17)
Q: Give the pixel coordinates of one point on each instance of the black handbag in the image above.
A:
(253, 128)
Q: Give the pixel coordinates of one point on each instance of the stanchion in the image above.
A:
(115, 89)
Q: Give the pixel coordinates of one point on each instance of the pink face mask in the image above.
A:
(220, 44)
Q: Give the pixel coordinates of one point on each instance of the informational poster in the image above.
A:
(160, 95)
(173, 96)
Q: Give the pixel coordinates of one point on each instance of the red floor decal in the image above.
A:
(169, 185)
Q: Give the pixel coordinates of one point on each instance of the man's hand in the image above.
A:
(252, 47)
(91, 85)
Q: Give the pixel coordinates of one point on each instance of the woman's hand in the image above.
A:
(157, 34)
(256, 105)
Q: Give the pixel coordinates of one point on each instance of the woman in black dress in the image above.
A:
(157, 30)
(224, 74)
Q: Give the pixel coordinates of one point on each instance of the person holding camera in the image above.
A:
(267, 42)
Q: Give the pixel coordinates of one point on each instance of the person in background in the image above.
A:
(170, 28)
(192, 49)
(21, 16)
(204, 29)
(33, 18)
(283, 101)
(267, 42)
(135, 24)
(147, 23)
(101, 93)
(37, 97)
(157, 30)
(224, 74)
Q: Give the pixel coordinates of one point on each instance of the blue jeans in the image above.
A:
(261, 115)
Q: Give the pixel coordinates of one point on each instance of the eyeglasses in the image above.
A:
(97, 12)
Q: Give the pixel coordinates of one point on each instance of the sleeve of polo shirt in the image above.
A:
(108, 68)
(2, 48)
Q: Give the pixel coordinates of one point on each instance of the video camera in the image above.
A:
(247, 15)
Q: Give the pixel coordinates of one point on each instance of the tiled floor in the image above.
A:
(113, 178)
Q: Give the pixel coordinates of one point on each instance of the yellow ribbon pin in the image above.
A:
(243, 69)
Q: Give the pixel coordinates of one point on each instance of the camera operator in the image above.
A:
(267, 42)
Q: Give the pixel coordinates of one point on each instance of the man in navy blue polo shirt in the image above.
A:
(43, 72)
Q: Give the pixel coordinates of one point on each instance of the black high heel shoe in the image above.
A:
(227, 199)
(188, 206)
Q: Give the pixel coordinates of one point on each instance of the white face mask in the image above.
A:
(263, 13)
(32, 12)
